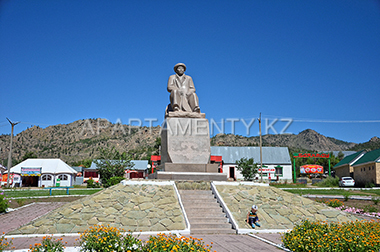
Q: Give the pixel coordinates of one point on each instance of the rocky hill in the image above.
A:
(305, 140)
(81, 140)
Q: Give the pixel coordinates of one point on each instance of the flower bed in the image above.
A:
(102, 238)
(322, 237)
(358, 211)
(369, 211)
(4, 243)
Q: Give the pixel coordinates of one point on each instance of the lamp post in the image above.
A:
(261, 151)
(10, 150)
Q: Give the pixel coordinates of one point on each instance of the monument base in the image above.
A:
(194, 176)
(170, 167)
(185, 141)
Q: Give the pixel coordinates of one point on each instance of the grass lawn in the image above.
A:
(45, 192)
(374, 192)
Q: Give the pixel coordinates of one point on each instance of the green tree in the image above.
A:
(85, 162)
(111, 163)
(247, 168)
(27, 155)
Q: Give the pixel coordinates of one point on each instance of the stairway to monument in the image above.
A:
(204, 213)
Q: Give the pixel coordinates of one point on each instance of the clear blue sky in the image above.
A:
(314, 61)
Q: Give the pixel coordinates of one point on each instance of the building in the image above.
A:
(276, 161)
(42, 173)
(344, 167)
(367, 168)
(139, 170)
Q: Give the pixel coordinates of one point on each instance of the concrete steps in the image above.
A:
(204, 213)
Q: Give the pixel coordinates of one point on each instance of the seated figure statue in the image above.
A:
(182, 91)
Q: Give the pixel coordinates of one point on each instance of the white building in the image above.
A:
(43, 173)
(276, 161)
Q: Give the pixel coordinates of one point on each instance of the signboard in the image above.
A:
(267, 169)
(311, 155)
(30, 171)
(307, 169)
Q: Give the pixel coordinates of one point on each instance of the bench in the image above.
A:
(59, 187)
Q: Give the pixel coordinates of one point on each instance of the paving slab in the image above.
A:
(23, 215)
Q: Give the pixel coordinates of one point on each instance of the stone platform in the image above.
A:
(210, 168)
(194, 176)
(153, 206)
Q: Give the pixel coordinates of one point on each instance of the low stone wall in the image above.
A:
(277, 209)
(135, 207)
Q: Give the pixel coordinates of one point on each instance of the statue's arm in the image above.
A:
(171, 83)
(191, 85)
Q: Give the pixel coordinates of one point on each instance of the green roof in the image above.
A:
(371, 156)
(348, 159)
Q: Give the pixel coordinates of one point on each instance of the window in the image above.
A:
(63, 177)
(279, 170)
(46, 177)
(90, 174)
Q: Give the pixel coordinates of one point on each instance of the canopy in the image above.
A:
(52, 166)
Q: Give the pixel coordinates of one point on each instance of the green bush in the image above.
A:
(4, 202)
(370, 209)
(375, 200)
(369, 185)
(92, 184)
(328, 182)
(113, 181)
(288, 185)
(346, 195)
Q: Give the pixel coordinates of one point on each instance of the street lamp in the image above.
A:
(10, 150)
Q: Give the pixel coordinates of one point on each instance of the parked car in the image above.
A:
(346, 181)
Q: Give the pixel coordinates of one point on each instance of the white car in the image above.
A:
(346, 181)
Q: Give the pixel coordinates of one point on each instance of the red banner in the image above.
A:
(311, 155)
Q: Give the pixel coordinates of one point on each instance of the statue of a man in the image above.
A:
(182, 91)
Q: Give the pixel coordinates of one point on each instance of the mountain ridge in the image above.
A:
(81, 140)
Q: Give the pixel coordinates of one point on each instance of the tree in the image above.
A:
(111, 163)
(247, 168)
(85, 162)
(28, 155)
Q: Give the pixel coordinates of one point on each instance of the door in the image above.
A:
(232, 172)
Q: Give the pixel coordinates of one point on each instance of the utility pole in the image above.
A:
(10, 151)
(261, 151)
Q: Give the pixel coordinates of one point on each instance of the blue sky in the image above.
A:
(314, 62)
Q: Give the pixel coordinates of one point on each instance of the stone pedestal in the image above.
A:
(185, 150)
(185, 141)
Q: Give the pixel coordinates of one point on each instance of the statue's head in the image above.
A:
(181, 71)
